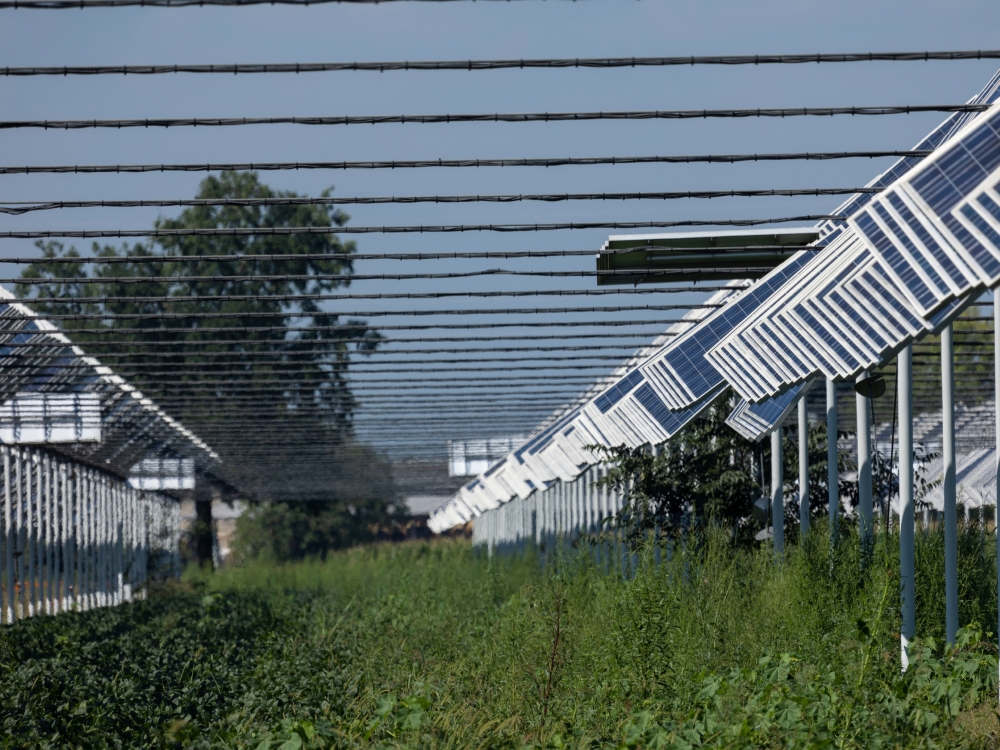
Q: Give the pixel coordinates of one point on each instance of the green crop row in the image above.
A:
(435, 645)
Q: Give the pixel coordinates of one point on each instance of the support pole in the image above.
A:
(777, 496)
(948, 485)
(906, 522)
(19, 531)
(803, 468)
(9, 542)
(832, 461)
(996, 410)
(48, 557)
(867, 531)
(31, 490)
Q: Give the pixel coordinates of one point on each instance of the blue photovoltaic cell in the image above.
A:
(804, 343)
(939, 135)
(780, 350)
(876, 341)
(688, 358)
(979, 253)
(896, 261)
(984, 145)
(989, 204)
(20, 338)
(981, 224)
(945, 312)
(670, 421)
(770, 411)
(944, 184)
(900, 236)
(615, 393)
(543, 438)
(492, 470)
(657, 409)
(472, 485)
(825, 336)
(925, 237)
(894, 328)
(886, 300)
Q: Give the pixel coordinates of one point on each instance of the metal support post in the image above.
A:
(9, 538)
(948, 485)
(906, 520)
(31, 491)
(69, 506)
(865, 520)
(996, 410)
(803, 468)
(48, 557)
(19, 531)
(777, 495)
(832, 461)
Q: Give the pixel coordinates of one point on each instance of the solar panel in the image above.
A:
(928, 243)
(755, 421)
(680, 375)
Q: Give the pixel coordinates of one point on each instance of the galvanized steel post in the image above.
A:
(803, 468)
(777, 495)
(832, 460)
(906, 522)
(865, 520)
(948, 485)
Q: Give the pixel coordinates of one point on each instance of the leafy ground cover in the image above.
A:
(433, 645)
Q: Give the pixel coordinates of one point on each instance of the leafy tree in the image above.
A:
(708, 472)
(214, 316)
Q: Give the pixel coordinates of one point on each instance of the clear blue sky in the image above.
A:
(462, 30)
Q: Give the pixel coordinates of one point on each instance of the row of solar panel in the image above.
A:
(41, 366)
(907, 264)
(895, 271)
(566, 508)
(627, 411)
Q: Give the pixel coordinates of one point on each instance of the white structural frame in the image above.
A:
(76, 538)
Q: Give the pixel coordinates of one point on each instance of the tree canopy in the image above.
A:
(224, 336)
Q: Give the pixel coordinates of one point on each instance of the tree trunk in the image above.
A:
(203, 533)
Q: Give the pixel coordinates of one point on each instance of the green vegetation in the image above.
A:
(708, 470)
(433, 645)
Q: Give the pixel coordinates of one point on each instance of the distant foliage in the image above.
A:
(284, 532)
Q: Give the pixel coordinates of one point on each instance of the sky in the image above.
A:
(478, 30)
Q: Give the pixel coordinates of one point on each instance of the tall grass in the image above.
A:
(434, 644)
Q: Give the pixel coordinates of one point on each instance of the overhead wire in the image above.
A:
(406, 229)
(501, 64)
(651, 272)
(587, 161)
(202, 315)
(359, 296)
(17, 208)
(145, 344)
(507, 117)
(267, 355)
(102, 260)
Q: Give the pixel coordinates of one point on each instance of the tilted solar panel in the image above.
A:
(755, 421)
